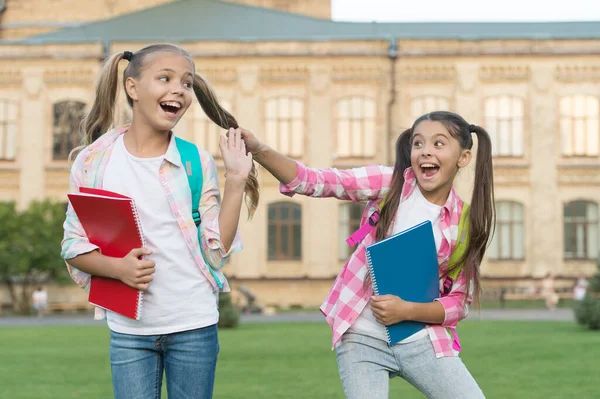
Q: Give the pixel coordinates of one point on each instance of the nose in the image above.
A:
(426, 150)
(177, 88)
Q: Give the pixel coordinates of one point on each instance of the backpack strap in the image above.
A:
(461, 241)
(190, 158)
(367, 227)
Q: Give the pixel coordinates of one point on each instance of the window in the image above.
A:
(67, 118)
(284, 121)
(356, 127)
(508, 242)
(504, 121)
(8, 130)
(285, 231)
(420, 106)
(581, 230)
(207, 133)
(579, 127)
(350, 215)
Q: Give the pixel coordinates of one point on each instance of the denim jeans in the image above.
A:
(366, 365)
(188, 358)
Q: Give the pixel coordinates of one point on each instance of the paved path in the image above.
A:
(488, 314)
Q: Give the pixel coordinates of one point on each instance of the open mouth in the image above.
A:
(429, 170)
(171, 108)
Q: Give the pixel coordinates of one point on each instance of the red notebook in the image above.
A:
(111, 222)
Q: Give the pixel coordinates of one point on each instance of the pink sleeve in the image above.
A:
(358, 184)
(454, 303)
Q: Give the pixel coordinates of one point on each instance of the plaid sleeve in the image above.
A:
(358, 184)
(75, 241)
(210, 205)
(454, 303)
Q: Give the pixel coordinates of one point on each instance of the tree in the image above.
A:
(30, 244)
(11, 247)
(587, 311)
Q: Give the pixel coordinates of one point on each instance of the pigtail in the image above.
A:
(393, 197)
(100, 118)
(482, 218)
(211, 107)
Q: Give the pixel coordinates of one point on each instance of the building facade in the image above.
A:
(336, 97)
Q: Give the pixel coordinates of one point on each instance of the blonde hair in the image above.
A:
(100, 118)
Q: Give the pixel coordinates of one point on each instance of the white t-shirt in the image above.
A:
(414, 210)
(179, 298)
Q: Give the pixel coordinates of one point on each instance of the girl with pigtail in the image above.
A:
(418, 188)
(178, 271)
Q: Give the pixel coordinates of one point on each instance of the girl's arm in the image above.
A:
(75, 242)
(359, 184)
(219, 219)
(456, 308)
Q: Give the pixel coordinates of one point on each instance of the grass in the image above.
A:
(532, 360)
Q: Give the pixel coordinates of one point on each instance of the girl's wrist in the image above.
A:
(262, 148)
(235, 179)
(411, 311)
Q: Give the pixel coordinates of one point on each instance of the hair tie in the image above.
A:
(128, 55)
(472, 128)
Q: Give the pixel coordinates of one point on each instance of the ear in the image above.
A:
(131, 88)
(464, 159)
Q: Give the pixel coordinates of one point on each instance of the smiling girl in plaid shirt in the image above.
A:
(419, 187)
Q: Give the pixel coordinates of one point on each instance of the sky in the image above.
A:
(465, 10)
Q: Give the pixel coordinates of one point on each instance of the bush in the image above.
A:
(587, 312)
(229, 315)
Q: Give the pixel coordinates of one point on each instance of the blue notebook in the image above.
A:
(405, 265)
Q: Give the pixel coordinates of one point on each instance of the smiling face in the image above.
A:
(436, 156)
(163, 91)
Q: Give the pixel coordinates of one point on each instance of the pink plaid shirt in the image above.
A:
(88, 171)
(349, 295)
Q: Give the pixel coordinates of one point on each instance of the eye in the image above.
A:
(189, 85)
(164, 78)
(439, 143)
(417, 143)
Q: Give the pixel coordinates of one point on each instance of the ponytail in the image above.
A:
(393, 196)
(101, 116)
(482, 218)
(211, 107)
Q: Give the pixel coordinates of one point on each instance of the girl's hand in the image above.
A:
(252, 143)
(135, 272)
(238, 162)
(390, 309)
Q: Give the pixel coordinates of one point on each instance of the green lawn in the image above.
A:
(509, 360)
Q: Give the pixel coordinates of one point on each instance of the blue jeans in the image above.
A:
(188, 358)
(366, 365)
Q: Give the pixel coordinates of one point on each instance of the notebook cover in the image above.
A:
(405, 265)
(110, 221)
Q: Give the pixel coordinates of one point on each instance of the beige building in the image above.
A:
(329, 94)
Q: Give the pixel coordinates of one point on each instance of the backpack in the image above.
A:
(190, 158)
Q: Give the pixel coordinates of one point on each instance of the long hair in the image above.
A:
(482, 217)
(100, 118)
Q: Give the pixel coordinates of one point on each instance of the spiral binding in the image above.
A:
(375, 288)
(138, 223)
